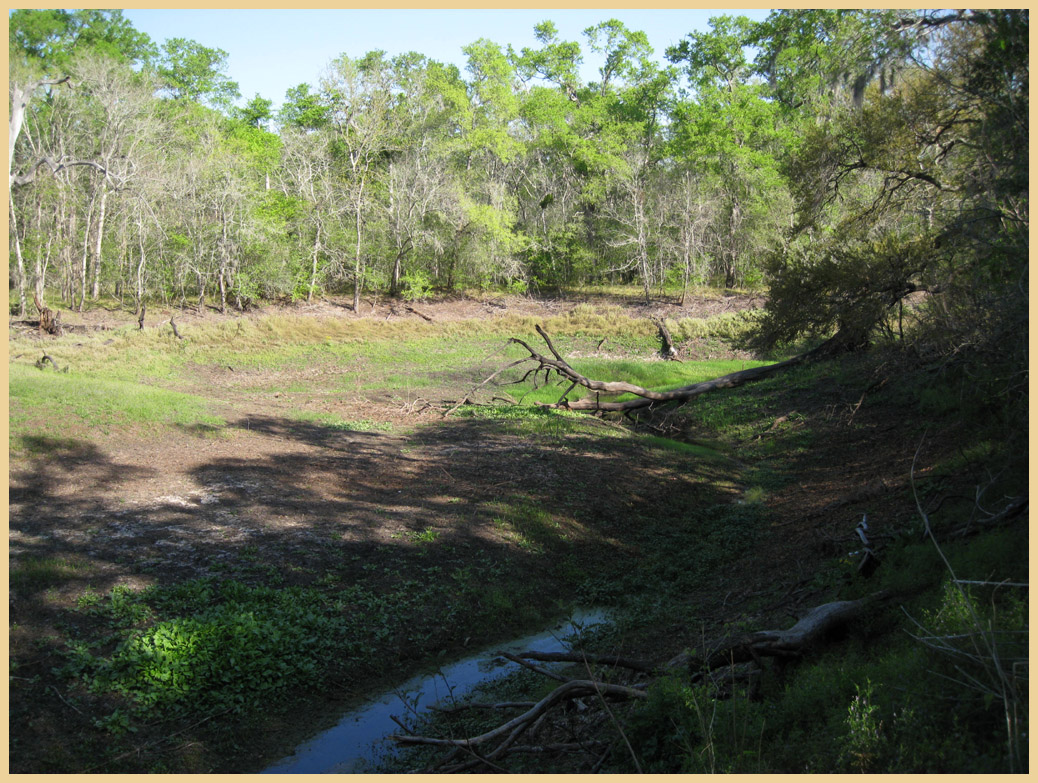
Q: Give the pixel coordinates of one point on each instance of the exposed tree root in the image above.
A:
(42, 362)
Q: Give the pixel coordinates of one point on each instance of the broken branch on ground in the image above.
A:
(719, 665)
(645, 397)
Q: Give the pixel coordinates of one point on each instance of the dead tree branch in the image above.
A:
(420, 315)
(717, 665)
(532, 667)
(510, 731)
(42, 362)
(646, 397)
(478, 386)
(55, 166)
(594, 660)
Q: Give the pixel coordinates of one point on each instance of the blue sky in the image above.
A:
(272, 50)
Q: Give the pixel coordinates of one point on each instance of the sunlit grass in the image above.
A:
(46, 402)
(286, 341)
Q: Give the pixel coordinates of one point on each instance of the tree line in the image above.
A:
(845, 159)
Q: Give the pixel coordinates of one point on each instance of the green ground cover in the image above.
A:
(642, 522)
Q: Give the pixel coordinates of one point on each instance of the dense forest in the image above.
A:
(848, 160)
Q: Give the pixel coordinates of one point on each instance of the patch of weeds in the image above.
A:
(754, 495)
(40, 573)
(498, 600)
(234, 648)
(768, 475)
(685, 728)
(343, 425)
(89, 599)
(426, 536)
(729, 327)
(939, 399)
(694, 545)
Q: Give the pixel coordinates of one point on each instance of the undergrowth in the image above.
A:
(892, 703)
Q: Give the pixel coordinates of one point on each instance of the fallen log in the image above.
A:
(1014, 509)
(420, 315)
(667, 350)
(805, 635)
(646, 397)
(727, 661)
(594, 660)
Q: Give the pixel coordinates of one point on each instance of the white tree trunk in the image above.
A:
(95, 289)
(22, 305)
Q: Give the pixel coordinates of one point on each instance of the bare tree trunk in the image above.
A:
(356, 258)
(221, 275)
(22, 303)
(19, 103)
(84, 264)
(95, 288)
(42, 262)
(313, 268)
(643, 242)
(140, 290)
(394, 277)
(68, 253)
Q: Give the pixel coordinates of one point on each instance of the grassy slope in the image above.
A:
(141, 654)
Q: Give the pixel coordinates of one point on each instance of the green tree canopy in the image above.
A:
(191, 71)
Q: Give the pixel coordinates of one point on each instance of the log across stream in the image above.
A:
(358, 743)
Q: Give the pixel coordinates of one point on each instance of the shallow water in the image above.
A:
(358, 742)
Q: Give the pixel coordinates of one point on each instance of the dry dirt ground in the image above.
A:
(278, 491)
(133, 509)
(269, 480)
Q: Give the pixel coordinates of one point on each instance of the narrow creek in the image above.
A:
(358, 742)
